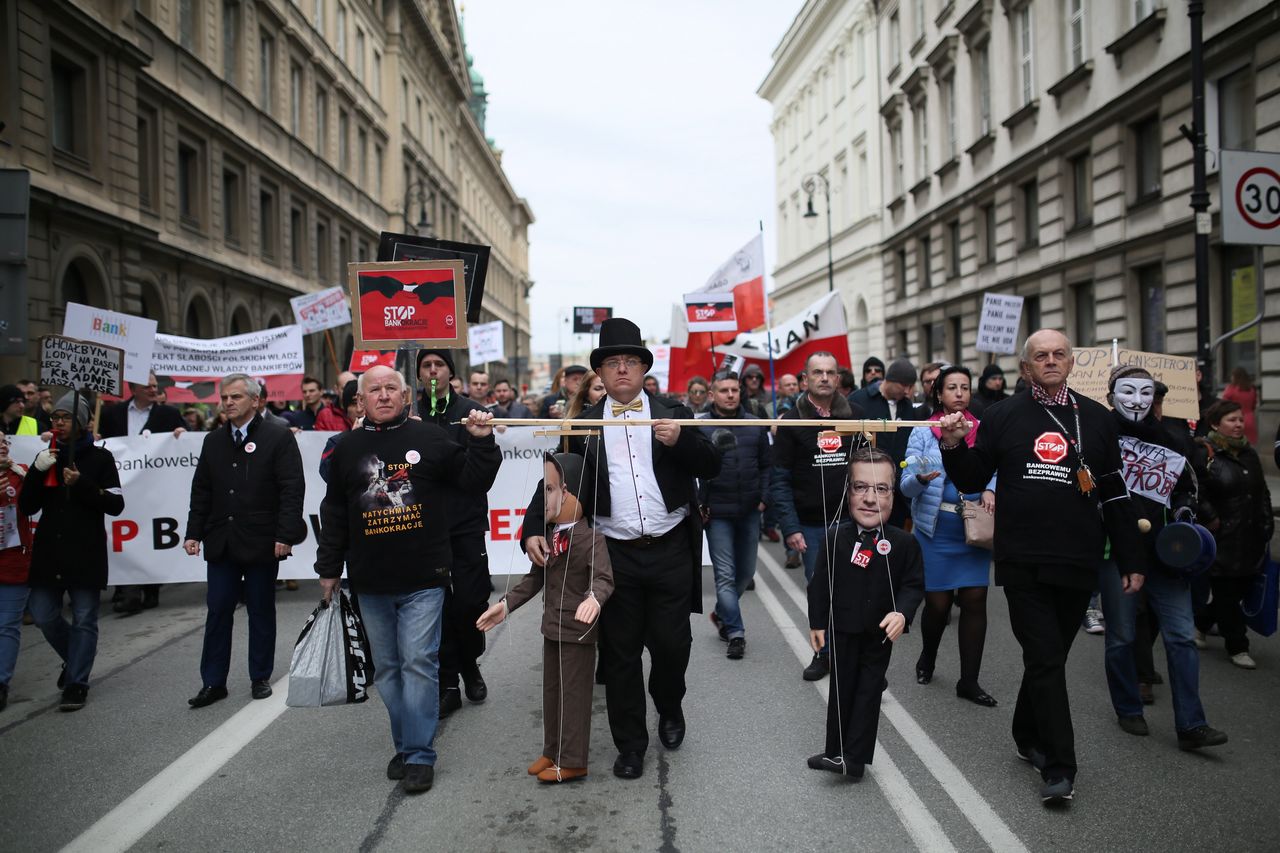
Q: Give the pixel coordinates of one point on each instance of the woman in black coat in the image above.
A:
(1236, 507)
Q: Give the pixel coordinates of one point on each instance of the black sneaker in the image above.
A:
(477, 691)
(418, 778)
(1134, 725)
(1032, 756)
(817, 669)
(395, 767)
(450, 701)
(737, 648)
(62, 677)
(1201, 736)
(1057, 792)
(73, 697)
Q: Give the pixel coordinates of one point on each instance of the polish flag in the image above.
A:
(743, 275)
(820, 327)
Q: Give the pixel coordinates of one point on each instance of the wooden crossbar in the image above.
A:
(576, 425)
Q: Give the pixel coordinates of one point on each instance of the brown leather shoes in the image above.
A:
(555, 774)
(541, 764)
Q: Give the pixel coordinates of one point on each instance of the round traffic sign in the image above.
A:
(1258, 197)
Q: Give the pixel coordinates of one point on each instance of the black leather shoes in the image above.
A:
(395, 767)
(477, 690)
(417, 778)
(975, 694)
(629, 765)
(207, 696)
(817, 669)
(260, 689)
(671, 730)
(450, 701)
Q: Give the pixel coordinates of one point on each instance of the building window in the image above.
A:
(148, 162)
(295, 98)
(920, 118)
(1081, 190)
(191, 181)
(859, 55)
(987, 233)
(953, 248)
(895, 151)
(344, 131)
(189, 24)
(1075, 33)
(1085, 331)
(231, 41)
(362, 155)
(322, 251)
(982, 69)
(900, 270)
(935, 341)
(358, 67)
(342, 32)
(949, 116)
(232, 205)
(917, 12)
(924, 258)
(862, 202)
(70, 106)
(376, 82)
(1026, 56)
(362, 254)
(317, 16)
(1146, 150)
(266, 70)
(895, 41)
(1150, 280)
(1237, 110)
(322, 119)
(298, 238)
(1239, 306)
(1030, 195)
(268, 222)
(344, 253)
(377, 171)
(1142, 8)
(1031, 317)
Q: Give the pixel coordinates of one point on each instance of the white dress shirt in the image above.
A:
(634, 496)
(137, 417)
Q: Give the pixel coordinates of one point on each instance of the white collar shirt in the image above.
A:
(137, 417)
(635, 499)
(893, 408)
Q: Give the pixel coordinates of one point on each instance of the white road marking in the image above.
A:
(972, 805)
(123, 826)
(914, 815)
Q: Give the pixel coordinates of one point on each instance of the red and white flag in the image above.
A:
(820, 327)
(742, 275)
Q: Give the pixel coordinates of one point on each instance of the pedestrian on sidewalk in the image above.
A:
(15, 565)
(731, 503)
(74, 485)
(863, 596)
(1168, 596)
(576, 581)
(386, 516)
(1062, 496)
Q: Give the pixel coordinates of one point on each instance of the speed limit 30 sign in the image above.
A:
(1250, 184)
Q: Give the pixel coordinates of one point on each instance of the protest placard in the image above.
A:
(1092, 373)
(363, 359)
(1149, 469)
(486, 343)
(710, 312)
(998, 325)
(474, 257)
(189, 369)
(408, 304)
(69, 363)
(135, 335)
(587, 319)
(325, 309)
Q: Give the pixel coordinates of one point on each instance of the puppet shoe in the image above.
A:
(975, 694)
(541, 764)
(555, 774)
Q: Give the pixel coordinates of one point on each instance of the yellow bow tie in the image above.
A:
(634, 406)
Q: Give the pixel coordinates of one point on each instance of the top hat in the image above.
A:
(620, 336)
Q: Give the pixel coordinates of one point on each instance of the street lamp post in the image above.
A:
(809, 184)
(420, 191)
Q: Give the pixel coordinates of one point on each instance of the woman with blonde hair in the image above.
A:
(590, 392)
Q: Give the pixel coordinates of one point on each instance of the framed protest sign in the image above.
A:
(474, 257)
(587, 319)
(408, 304)
(710, 312)
(80, 365)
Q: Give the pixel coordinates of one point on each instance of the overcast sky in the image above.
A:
(635, 132)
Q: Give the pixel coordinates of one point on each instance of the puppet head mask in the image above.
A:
(1132, 396)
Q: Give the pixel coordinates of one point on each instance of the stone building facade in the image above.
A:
(823, 90)
(199, 162)
(1033, 147)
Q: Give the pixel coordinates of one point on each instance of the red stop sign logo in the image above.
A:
(829, 442)
(1051, 447)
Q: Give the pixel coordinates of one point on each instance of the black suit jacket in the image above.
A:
(246, 499)
(675, 468)
(115, 419)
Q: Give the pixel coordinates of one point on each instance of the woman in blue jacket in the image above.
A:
(952, 570)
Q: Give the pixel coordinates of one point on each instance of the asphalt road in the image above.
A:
(138, 769)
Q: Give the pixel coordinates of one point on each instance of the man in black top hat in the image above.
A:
(645, 505)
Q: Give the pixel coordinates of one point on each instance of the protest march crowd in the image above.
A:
(1049, 493)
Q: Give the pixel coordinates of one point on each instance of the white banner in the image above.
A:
(1149, 469)
(135, 335)
(325, 309)
(270, 351)
(144, 544)
(998, 326)
(485, 343)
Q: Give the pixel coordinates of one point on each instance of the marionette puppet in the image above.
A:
(865, 592)
(575, 582)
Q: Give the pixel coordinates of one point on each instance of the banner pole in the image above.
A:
(768, 336)
(333, 354)
(97, 410)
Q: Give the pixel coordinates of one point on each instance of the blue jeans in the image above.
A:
(404, 631)
(76, 643)
(812, 534)
(13, 600)
(226, 580)
(733, 543)
(1170, 600)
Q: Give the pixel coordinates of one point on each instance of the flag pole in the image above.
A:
(768, 333)
(711, 337)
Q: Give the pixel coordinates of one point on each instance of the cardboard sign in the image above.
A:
(135, 335)
(364, 359)
(587, 320)
(416, 304)
(1092, 374)
(487, 343)
(69, 363)
(1149, 469)
(189, 369)
(474, 257)
(710, 312)
(325, 309)
(998, 325)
